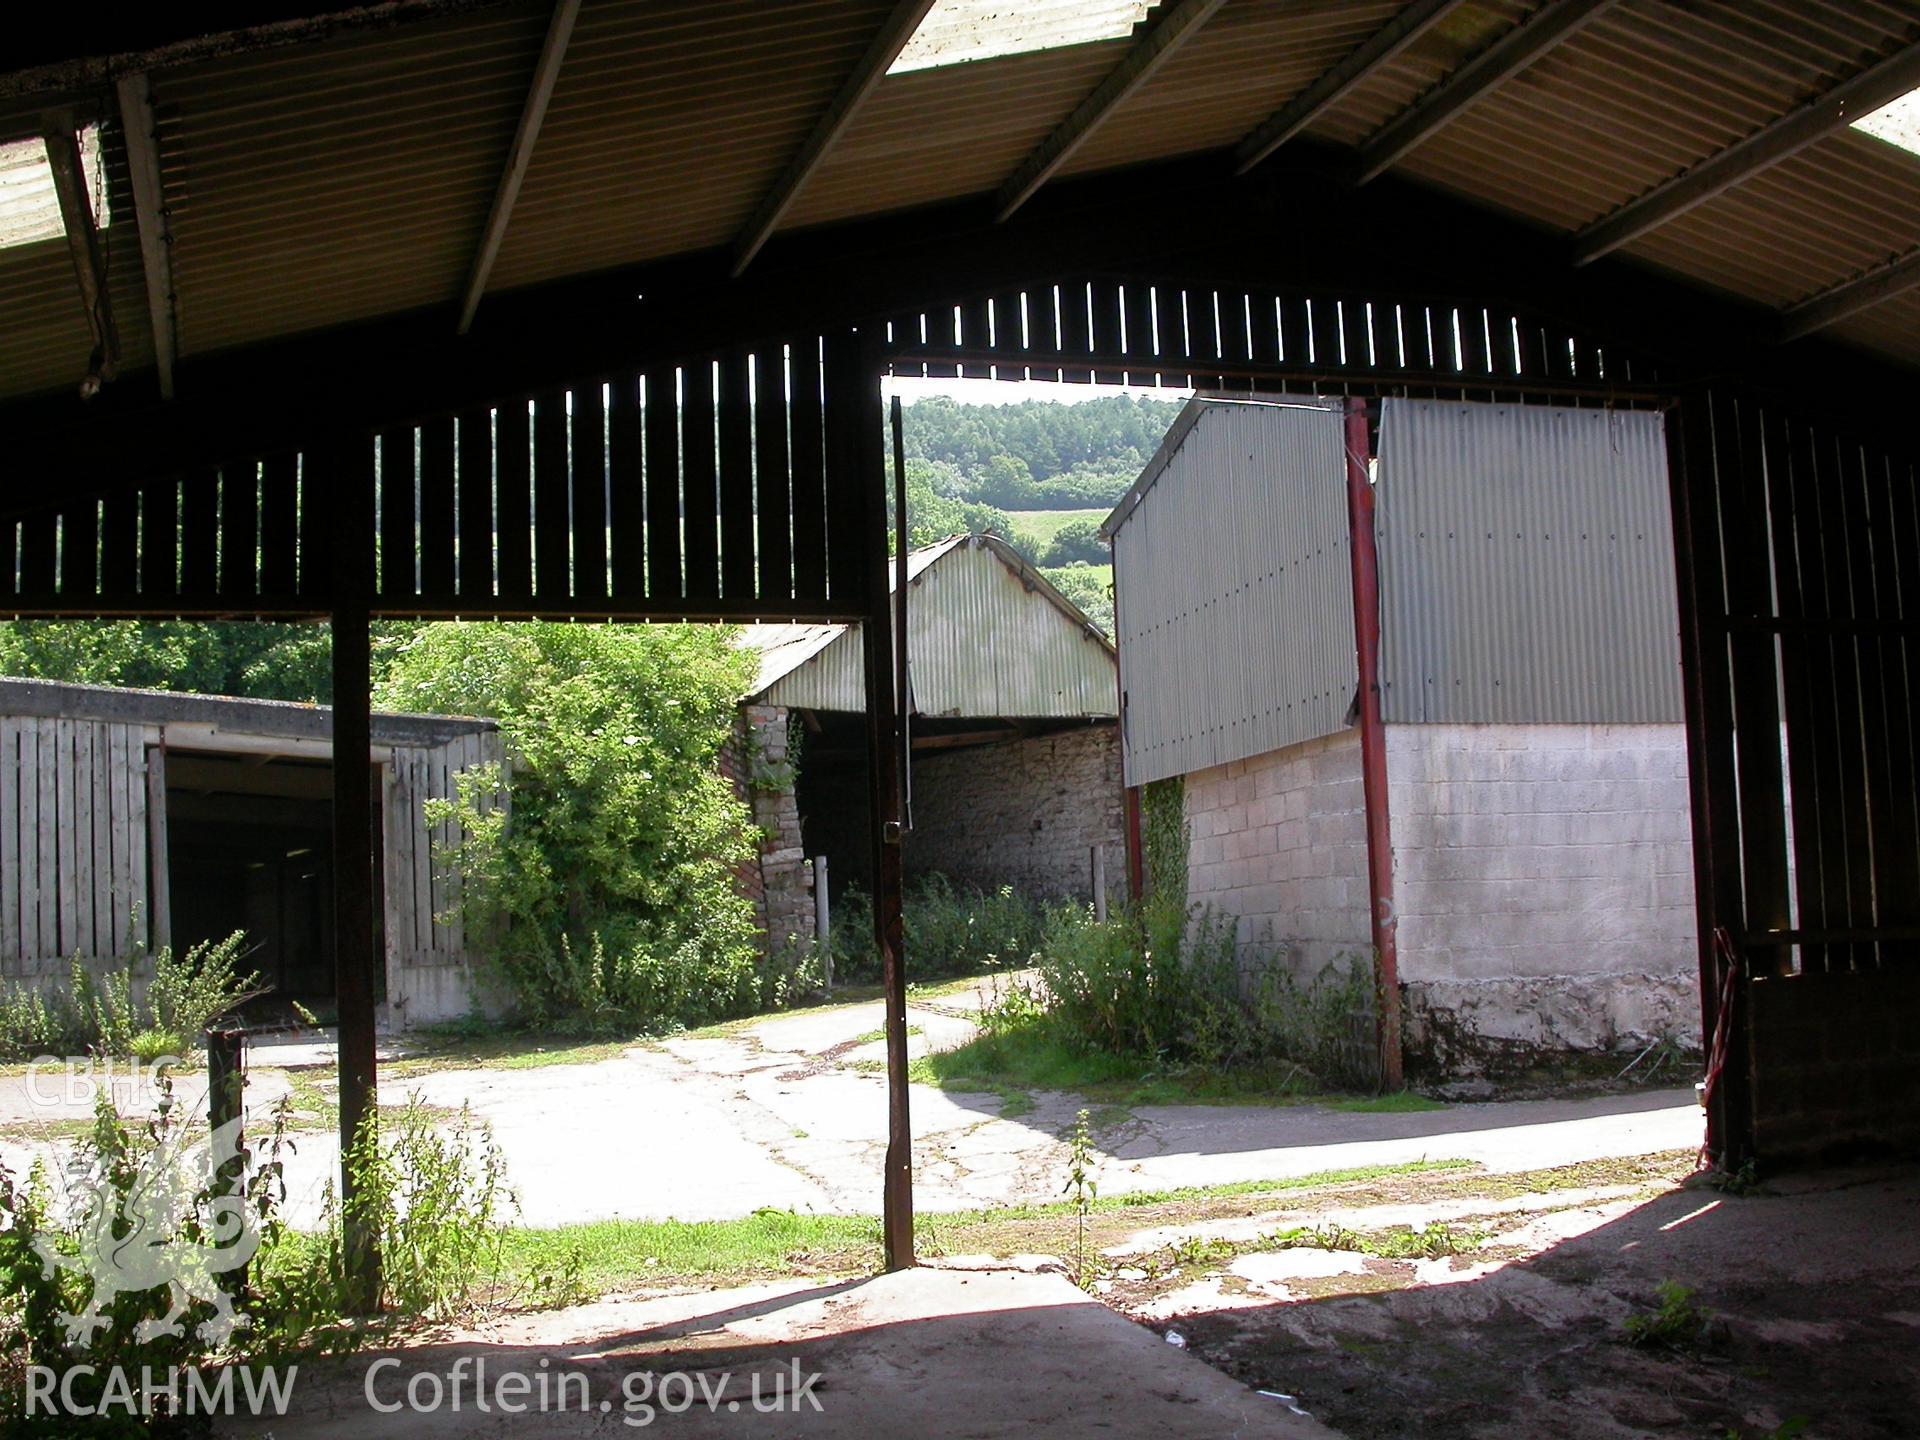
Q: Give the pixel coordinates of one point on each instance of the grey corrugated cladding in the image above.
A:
(988, 637)
(1526, 572)
(1526, 565)
(1233, 588)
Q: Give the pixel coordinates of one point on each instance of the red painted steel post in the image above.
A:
(1373, 740)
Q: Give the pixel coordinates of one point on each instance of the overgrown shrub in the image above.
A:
(434, 1195)
(1169, 987)
(607, 894)
(97, 1014)
(950, 930)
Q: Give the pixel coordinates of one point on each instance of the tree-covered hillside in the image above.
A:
(1037, 454)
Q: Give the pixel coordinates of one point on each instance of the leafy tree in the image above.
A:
(611, 891)
(1037, 454)
(1077, 542)
(1088, 586)
(932, 516)
(257, 660)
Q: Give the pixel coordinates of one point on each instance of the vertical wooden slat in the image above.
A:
(199, 534)
(589, 436)
(39, 544)
(160, 887)
(1889, 748)
(1137, 313)
(278, 534)
(436, 511)
(119, 543)
(1384, 321)
(47, 883)
(772, 475)
(935, 327)
(736, 480)
(239, 530)
(846, 544)
(317, 499)
(159, 538)
(399, 549)
(474, 560)
(1788, 478)
(85, 885)
(1355, 337)
(809, 476)
(514, 441)
(10, 953)
(552, 579)
(1849, 562)
(140, 859)
(1903, 509)
(66, 857)
(393, 859)
(123, 917)
(105, 925)
(976, 334)
(79, 548)
(419, 838)
(664, 578)
(699, 480)
(626, 488)
(1106, 329)
(27, 851)
(1076, 332)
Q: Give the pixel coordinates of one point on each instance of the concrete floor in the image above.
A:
(927, 1354)
(777, 1114)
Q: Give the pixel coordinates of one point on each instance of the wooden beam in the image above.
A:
(83, 243)
(1474, 81)
(1176, 25)
(553, 51)
(1336, 83)
(1824, 115)
(881, 52)
(150, 216)
(1834, 304)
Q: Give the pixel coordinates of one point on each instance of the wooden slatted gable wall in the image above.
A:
(73, 843)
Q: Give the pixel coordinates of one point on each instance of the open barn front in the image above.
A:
(482, 310)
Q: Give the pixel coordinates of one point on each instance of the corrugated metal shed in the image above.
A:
(1526, 565)
(1233, 588)
(988, 638)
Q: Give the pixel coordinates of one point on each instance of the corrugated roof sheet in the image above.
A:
(346, 178)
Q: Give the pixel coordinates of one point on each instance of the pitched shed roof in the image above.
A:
(988, 637)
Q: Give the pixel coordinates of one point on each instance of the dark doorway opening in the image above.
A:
(250, 847)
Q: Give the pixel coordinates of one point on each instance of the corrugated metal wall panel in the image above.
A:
(1234, 590)
(1526, 565)
(983, 643)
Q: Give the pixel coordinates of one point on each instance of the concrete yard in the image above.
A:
(780, 1112)
(932, 1354)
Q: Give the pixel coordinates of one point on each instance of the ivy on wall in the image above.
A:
(1166, 841)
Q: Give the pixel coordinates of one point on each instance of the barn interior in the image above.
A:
(326, 244)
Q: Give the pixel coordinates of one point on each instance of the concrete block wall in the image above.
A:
(1024, 813)
(1544, 889)
(1835, 1064)
(1279, 842)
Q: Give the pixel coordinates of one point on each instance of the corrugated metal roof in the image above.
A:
(988, 638)
(341, 179)
(1233, 588)
(1526, 565)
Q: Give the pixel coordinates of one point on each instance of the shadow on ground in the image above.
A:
(1810, 1294)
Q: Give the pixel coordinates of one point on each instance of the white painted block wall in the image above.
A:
(1542, 875)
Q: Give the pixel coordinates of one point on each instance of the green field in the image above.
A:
(1040, 526)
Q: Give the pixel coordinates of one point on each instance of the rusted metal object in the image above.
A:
(1373, 742)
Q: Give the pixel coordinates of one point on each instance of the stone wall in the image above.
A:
(1280, 843)
(1024, 813)
(779, 880)
(1543, 881)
